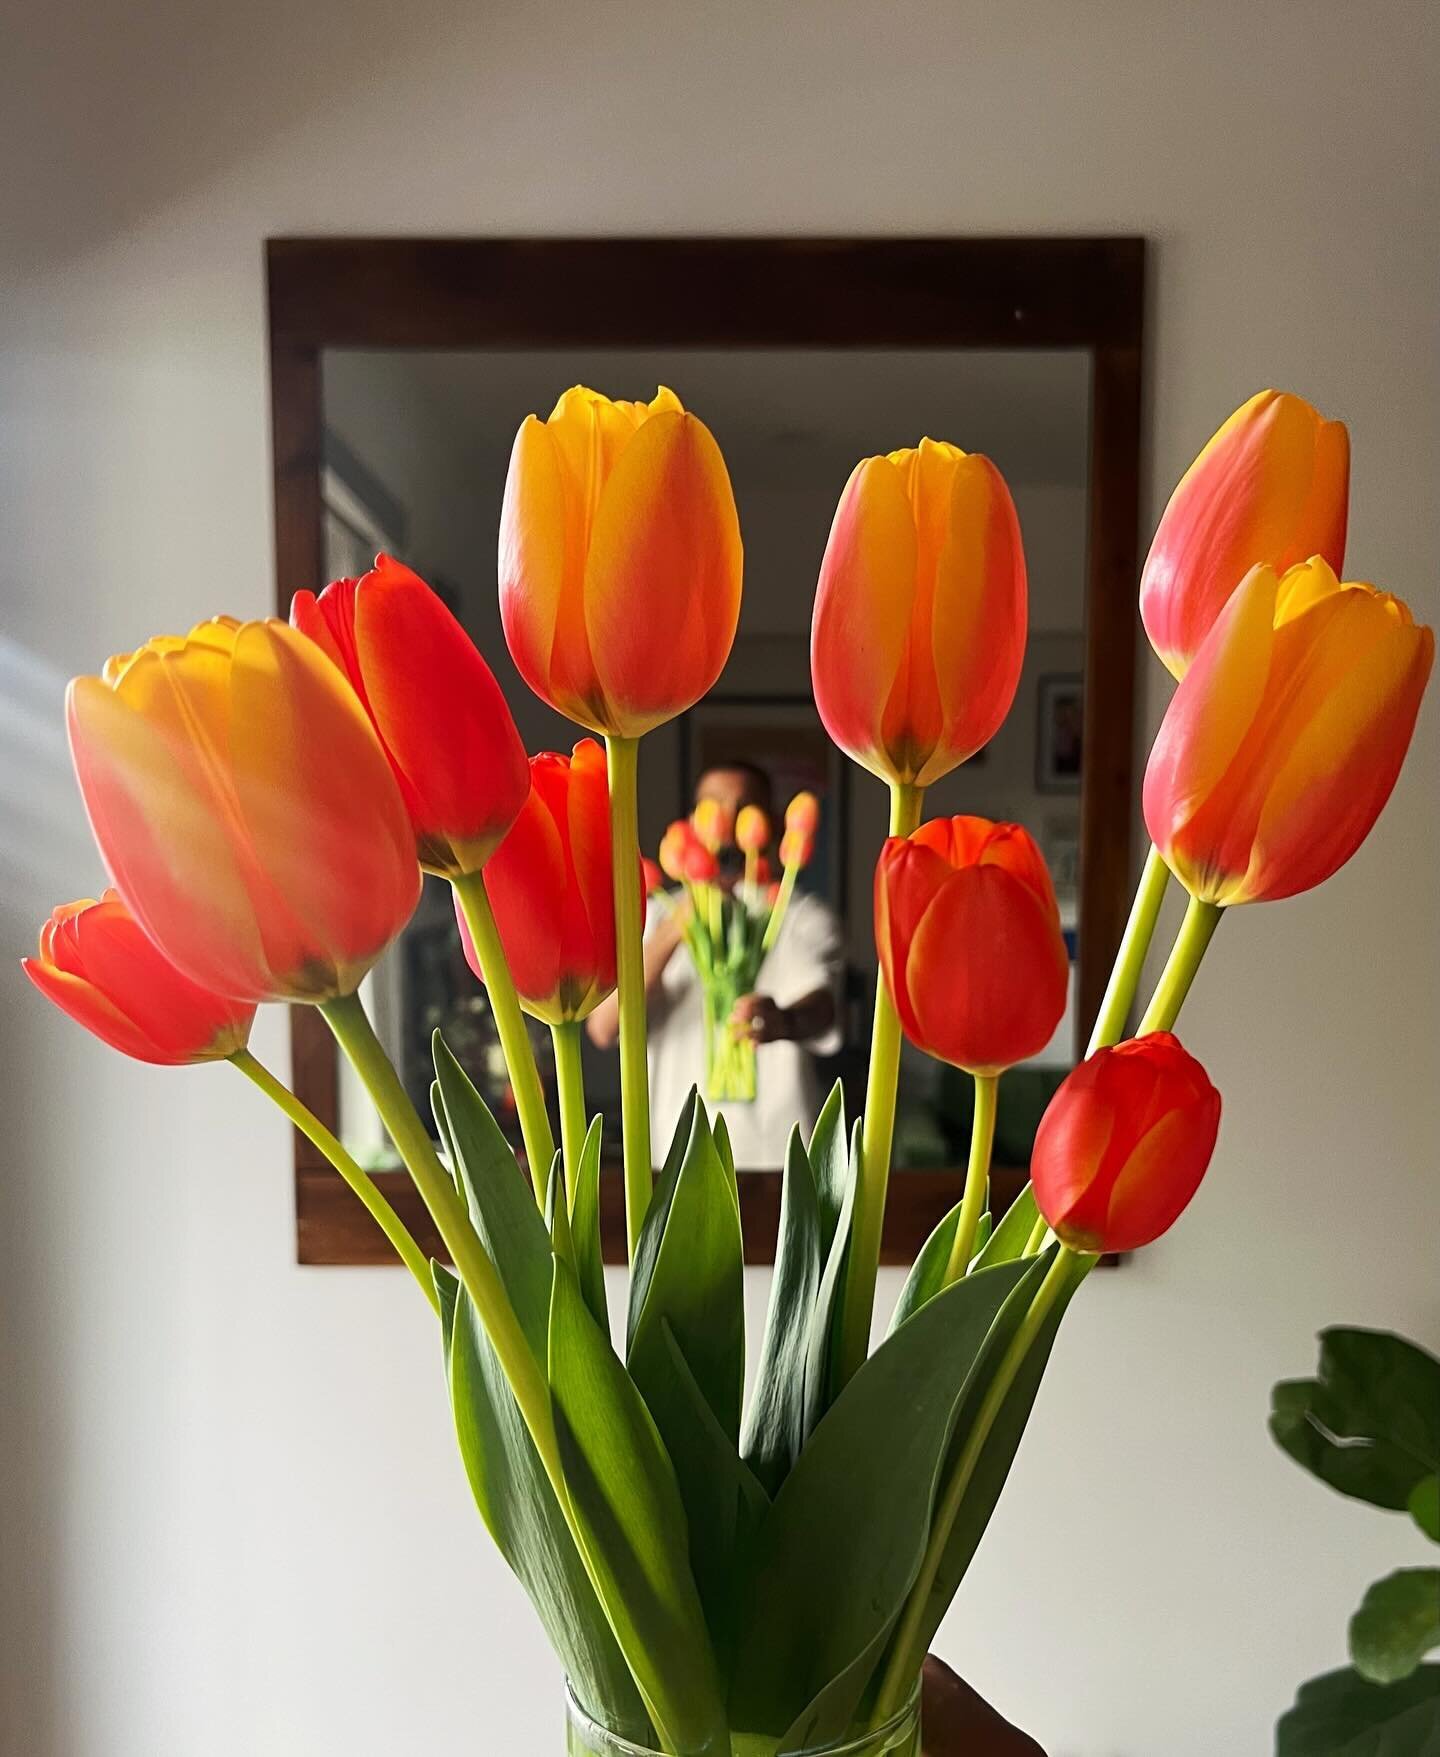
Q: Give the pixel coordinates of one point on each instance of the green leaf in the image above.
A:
(557, 1211)
(585, 1227)
(1009, 1238)
(1369, 1423)
(775, 1421)
(1425, 1506)
(647, 1246)
(840, 1547)
(696, 1285)
(627, 1506)
(1008, 1428)
(518, 1505)
(927, 1272)
(724, 1501)
(498, 1195)
(1344, 1715)
(830, 1161)
(822, 1345)
(1397, 1625)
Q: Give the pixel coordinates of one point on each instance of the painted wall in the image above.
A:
(232, 1520)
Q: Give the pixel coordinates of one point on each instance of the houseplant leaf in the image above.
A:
(1424, 1504)
(927, 1272)
(775, 1420)
(822, 1343)
(1368, 1424)
(840, 1546)
(1344, 1715)
(652, 1232)
(627, 1508)
(518, 1505)
(585, 1226)
(1397, 1624)
(1008, 1240)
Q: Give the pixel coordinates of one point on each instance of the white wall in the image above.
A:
(232, 1522)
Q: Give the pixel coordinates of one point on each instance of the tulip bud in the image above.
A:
(552, 891)
(97, 966)
(1123, 1145)
(699, 865)
(675, 844)
(435, 705)
(619, 560)
(796, 848)
(714, 823)
(803, 813)
(752, 829)
(1271, 487)
(919, 630)
(969, 939)
(1285, 737)
(245, 810)
(651, 877)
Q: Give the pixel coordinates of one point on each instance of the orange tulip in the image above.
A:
(675, 846)
(919, 629)
(803, 813)
(1286, 735)
(796, 848)
(714, 823)
(245, 809)
(698, 864)
(1123, 1145)
(619, 560)
(435, 705)
(97, 966)
(550, 886)
(969, 939)
(752, 829)
(1272, 486)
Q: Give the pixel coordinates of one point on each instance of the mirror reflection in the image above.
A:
(416, 450)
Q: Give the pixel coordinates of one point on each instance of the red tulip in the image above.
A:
(1272, 487)
(651, 876)
(435, 704)
(698, 864)
(675, 846)
(245, 810)
(619, 560)
(919, 630)
(551, 889)
(1286, 736)
(97, 965)
(1124, 1144)
(969, 940)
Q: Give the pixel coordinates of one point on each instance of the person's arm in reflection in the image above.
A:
(762, 1018)
(799, 997)
(662, 941)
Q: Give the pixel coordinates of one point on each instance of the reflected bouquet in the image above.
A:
(721, 1575)
(729, 927)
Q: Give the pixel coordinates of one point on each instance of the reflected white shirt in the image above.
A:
(807, 955)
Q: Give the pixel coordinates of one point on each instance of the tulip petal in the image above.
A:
(863, 609)
(662, 577)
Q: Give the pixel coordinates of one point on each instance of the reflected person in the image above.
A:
(792, 1016)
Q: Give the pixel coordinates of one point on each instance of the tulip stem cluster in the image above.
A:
(359, 1181)
(1129, 960)
(977, 1176)
(622, 756)
(510, 1026)
(570, 1082)
(1196, 932)
(877, 1136)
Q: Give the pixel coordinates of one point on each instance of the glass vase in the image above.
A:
(729, 1060)
(898, 1737)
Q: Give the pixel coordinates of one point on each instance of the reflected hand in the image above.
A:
(956, 1722)
(759, 1018)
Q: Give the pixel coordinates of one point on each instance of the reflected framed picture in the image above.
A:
(782, 736)
(1059, 725)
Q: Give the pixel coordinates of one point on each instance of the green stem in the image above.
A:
(353, 1032)
(1038, 1233)
(623, 759)
(900, 1673)
(1135, 943)
(977, 1176)
(1196, 932)
(510, 1023)
(360, 1182)
(876, 1139)
(570, 1079)
(782, 903)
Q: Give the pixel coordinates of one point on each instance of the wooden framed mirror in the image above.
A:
(400, 369)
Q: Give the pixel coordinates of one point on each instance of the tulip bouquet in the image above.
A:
(728, 932)
(717, 1576)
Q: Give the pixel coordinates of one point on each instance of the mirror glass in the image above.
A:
(416, 450)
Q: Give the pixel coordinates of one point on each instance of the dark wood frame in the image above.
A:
(1084, 293)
